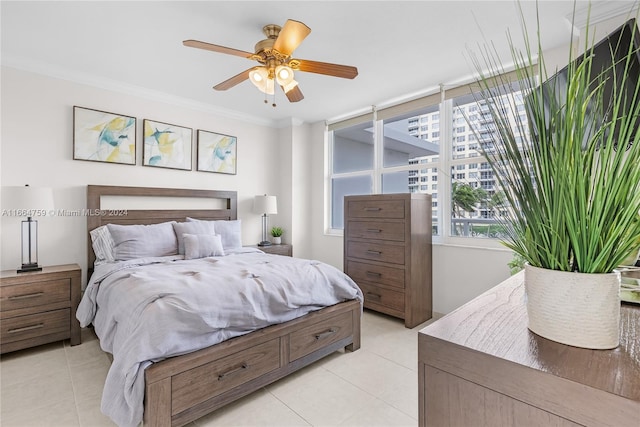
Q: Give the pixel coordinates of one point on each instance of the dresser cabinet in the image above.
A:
(481, 366)
(387, 252)
(39, 307)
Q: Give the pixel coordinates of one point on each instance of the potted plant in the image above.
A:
(571, 185)
(276, 233)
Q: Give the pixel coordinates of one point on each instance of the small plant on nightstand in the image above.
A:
(276, 233)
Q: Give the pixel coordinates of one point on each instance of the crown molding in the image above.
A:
(62, 73)
(602, 11)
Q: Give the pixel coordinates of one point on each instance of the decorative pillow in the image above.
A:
(229, 231)
(103, 245)
(202, 245)
(141, 241)
(193, 227)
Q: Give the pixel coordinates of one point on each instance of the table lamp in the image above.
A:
(28, 202)
(265, 205)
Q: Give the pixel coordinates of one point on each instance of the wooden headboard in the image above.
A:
(151, 216)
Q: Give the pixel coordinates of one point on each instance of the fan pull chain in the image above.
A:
(274, 99)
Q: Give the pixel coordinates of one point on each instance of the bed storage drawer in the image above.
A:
(52, 323)
(312, 338)
(214, 378)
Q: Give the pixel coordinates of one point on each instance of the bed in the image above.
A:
(182, 388)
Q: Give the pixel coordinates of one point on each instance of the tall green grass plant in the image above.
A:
(573, 190)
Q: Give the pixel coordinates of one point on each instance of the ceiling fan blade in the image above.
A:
(336, 70)
(216, 48)
(295, 94)
(238, 78)
(290, 37)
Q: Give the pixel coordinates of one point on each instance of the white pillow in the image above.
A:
(141, 241)
(103, 244)
(229, 231)
(202, 245)
(193, 227)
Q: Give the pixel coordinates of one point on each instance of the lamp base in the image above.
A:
(26, 268)
(264, 243)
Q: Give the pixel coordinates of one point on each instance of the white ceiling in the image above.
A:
(401, 48)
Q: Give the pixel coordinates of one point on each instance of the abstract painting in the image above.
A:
(217, 152)
(100, 136)
(166, 145)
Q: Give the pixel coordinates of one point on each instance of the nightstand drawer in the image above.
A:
(35, 325)
(376, 252)
(361, 272)
(34, 294)
(375, 209)
(377, 230)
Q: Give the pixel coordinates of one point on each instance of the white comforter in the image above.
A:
(150, 309)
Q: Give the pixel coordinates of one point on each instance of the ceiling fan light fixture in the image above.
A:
(259, 76)
(292, 84)
(284, 75)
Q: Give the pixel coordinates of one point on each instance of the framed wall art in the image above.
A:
(216, 152)
(100, 136)
(167, 145)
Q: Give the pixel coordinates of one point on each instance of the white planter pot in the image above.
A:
(276, 240)
(577, 309)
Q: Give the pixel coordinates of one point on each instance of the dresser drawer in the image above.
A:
(390, 276)
(376, 252)
(217, 377)
(34, 294)
(375, 209)
(312, 338)
(35, 325)
(377, 230)
(376, 297)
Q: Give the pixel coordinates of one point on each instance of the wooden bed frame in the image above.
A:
(181, 389)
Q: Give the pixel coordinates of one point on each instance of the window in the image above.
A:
(351, 167)
(387, 155)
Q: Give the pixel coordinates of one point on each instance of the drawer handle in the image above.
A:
(372, 209)
(372, 252)
(326, 334)
(26, 296)
(374, 230)
(26, 328)
(233, 371)
(374, 274)
(373, 296)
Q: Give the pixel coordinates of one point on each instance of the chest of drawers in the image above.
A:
(39, 307)
(387, 252)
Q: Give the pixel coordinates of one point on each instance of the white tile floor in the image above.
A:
(59, 385)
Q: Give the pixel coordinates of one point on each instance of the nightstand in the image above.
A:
(283, 249)
(39, 307)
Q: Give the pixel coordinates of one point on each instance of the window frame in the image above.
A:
(444, 164)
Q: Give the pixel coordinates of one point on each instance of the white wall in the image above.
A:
(37, 149)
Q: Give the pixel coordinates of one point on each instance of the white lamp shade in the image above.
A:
(27, 198)
(265, 205)
(284, 75)
(292, 84)
(259, 76)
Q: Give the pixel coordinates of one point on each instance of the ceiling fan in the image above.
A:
(277, 65)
